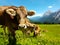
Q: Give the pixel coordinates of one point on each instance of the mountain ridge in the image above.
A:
(48, 17)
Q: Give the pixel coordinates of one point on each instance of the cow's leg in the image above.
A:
(11, 37)
(14, 38)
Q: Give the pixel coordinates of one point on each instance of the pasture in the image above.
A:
(49, 37)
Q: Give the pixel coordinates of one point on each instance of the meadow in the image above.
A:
(49, 37)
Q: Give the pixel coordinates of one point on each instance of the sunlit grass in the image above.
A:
(51, 37)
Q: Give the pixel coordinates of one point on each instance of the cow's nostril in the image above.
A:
(25, 26)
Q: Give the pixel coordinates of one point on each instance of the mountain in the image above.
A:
(35, 19)
(48, 17)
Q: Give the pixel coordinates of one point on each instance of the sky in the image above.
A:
(39, 6)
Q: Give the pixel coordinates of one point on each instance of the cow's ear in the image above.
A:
(11, 12)
(30, 13)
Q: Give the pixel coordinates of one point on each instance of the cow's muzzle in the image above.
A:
(22, 26)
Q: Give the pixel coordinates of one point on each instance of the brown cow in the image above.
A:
(7, 13)
(12, 17)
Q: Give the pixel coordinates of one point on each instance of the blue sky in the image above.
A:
(40, 6)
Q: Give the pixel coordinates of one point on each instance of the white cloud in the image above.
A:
(39, 14)
(50, 6)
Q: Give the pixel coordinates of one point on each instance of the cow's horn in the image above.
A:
(11, 12)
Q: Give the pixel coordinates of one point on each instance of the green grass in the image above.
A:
(51, 37)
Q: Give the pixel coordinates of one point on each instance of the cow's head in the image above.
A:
(23, 12)
(26, 12)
